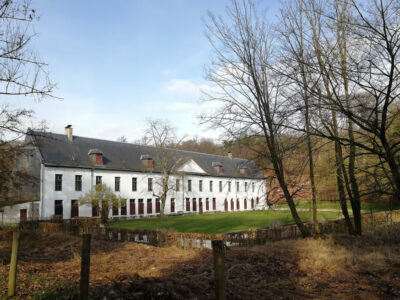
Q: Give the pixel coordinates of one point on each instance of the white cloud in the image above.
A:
(182, 86)
(182, 106)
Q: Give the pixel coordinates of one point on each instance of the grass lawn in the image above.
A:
(219, 222)
(306, 203)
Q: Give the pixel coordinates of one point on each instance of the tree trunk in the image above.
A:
(353, 192)
(340, 186)
(104, 212)
(289, 199)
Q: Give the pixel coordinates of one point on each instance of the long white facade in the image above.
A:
(67, 167)
(248, 189)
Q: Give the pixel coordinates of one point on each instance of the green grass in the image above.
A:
(219, 222)
(306, 203)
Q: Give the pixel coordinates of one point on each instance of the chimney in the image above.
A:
(230, 154)
(96, 156)
(68, 132)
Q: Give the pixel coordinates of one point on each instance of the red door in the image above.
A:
(252, 203)
(232, 205)
(23, 215)
(149, 206)
(194, 204)
(141, 207)
(132, 206)
(74, 209)
(187, 204)
(123, 209)
(158, 206)
(200, 206)
(257, 200)
(214, 204)
(207, 204)
(115, 210)
(245, 203)
(237, 204)
(172, 205)
(226, 205)
(95, 210)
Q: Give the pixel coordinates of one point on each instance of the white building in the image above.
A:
(69, 166)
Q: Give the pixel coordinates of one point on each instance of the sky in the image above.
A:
(119, 63)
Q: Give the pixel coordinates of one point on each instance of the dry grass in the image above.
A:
(339, 266)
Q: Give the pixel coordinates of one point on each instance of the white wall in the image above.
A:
(11, 214)
(68, 192)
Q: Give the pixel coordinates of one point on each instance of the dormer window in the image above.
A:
(243, 171)
(147, 161)
(217, 167)
(96, 156)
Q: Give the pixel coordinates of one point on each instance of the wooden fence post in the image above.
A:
(12, 277)
(85, 267)
(219, 269)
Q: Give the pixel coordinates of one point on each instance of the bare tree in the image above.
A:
(122, 139)
(102, 197)
(163, 137)
(22, 73)
(247, 88)
(292, 29)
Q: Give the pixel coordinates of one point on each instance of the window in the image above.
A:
(123, 208)
(115, 210)
(98, 180)
(245, 186)
(74, 208)
(220, 186)
(252, 187)
(149, 206)
(58, 208)
(237, 186)
(211, 186)
(189, 185)
(150, 184)
(194, 204)
(207, 204)
(58, 186)
(177, 185)
(78, 182)
(172, 205)
(200, 185)
(229, 186)
(134, 184)
(132, 207)
(158, 206)
(117, 183)
(187, 204)
(214, 204)
(141, 207)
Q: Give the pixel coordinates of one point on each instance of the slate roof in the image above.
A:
(57, 150)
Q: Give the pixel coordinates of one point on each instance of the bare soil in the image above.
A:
(336, 267)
